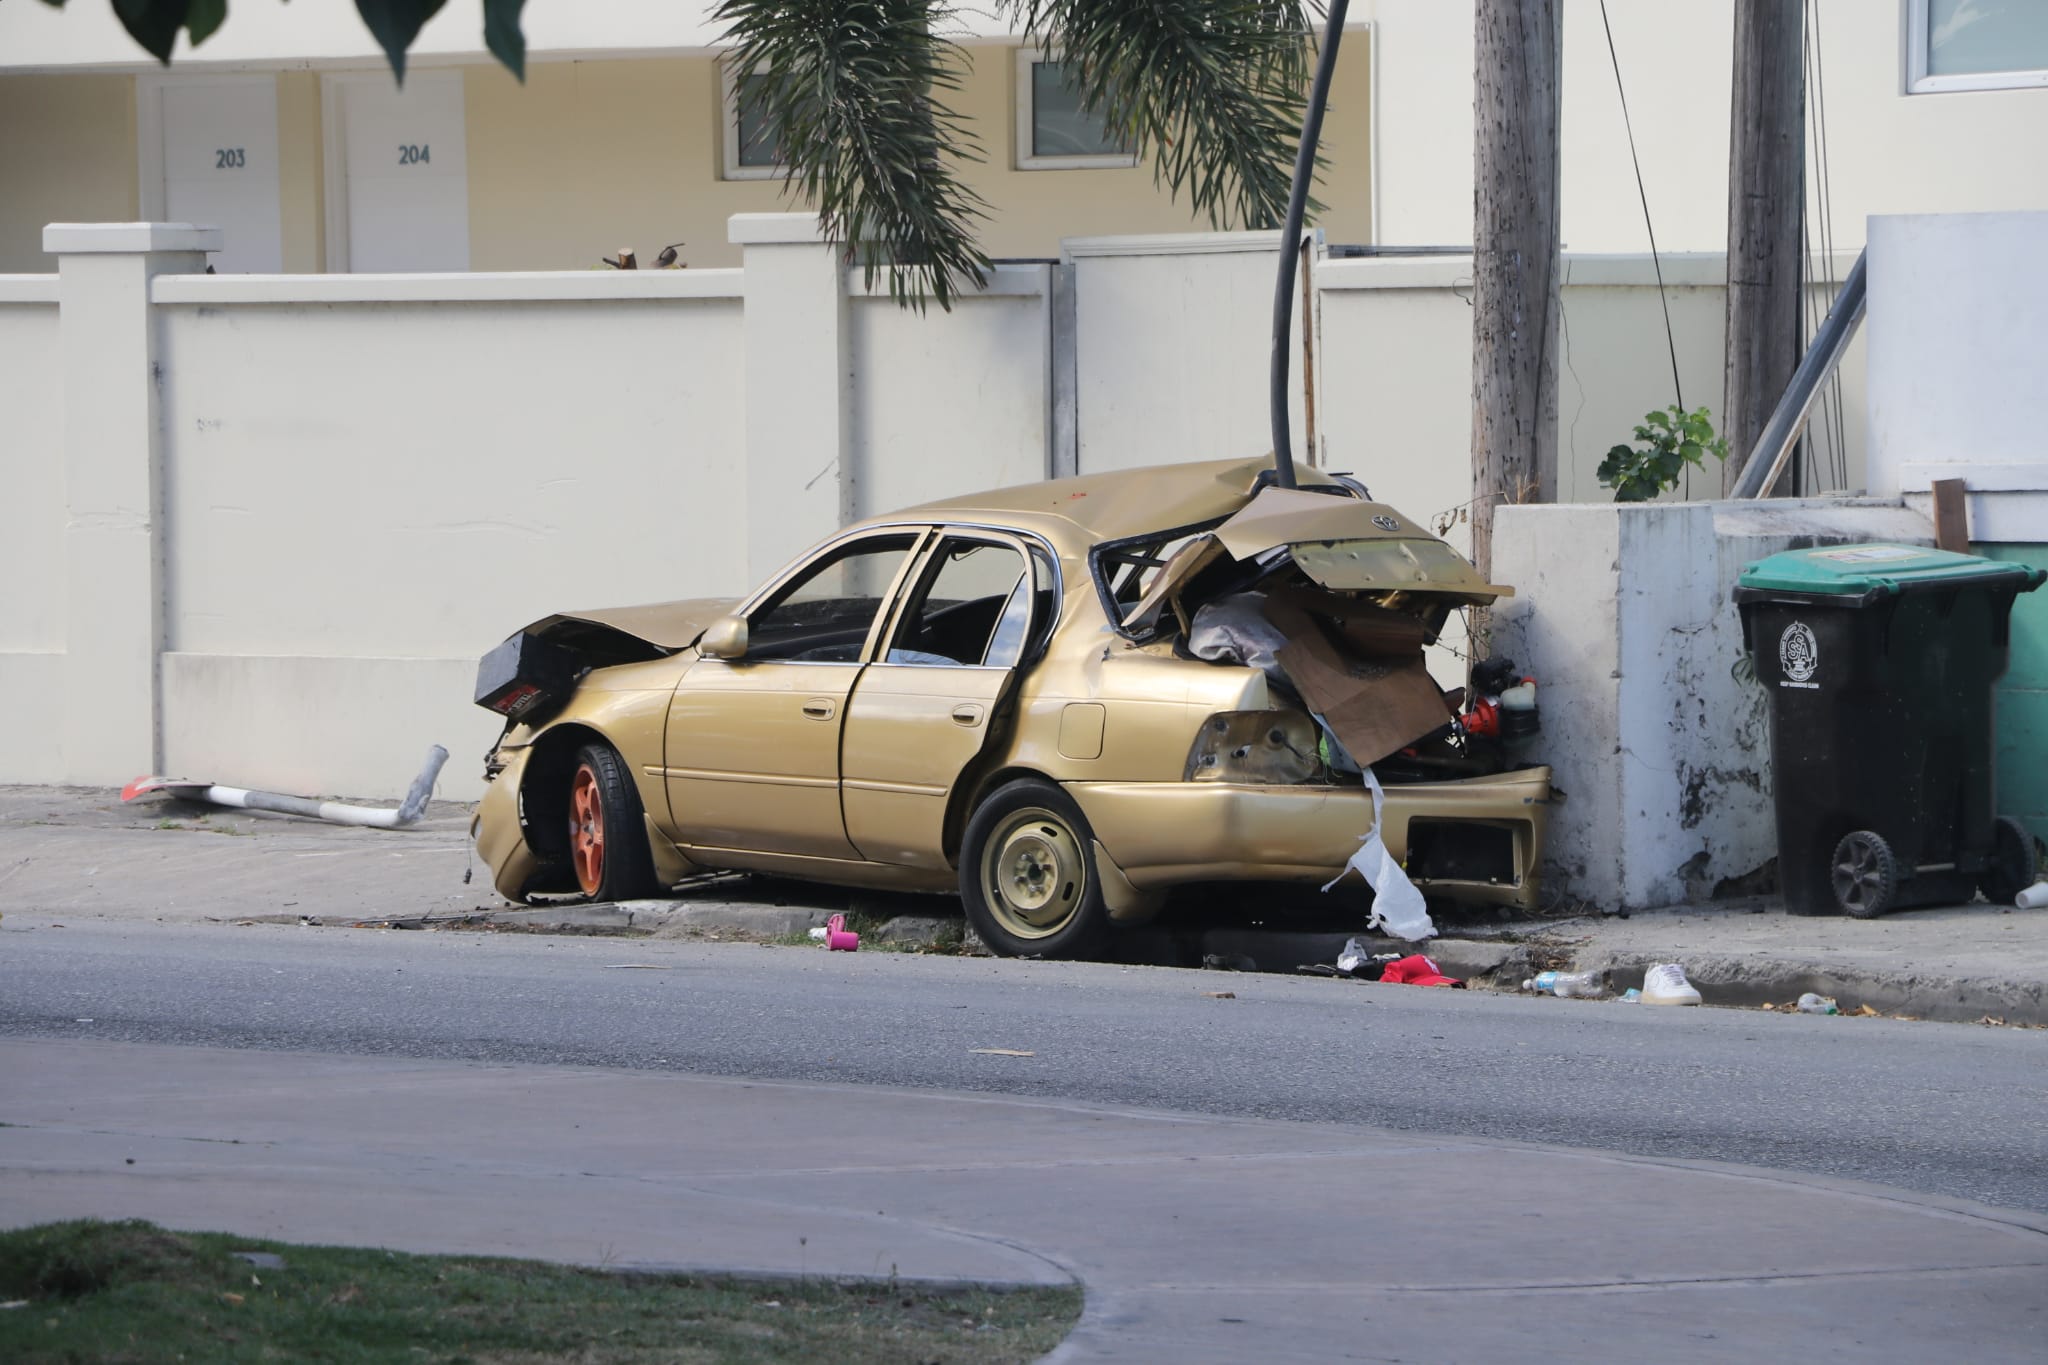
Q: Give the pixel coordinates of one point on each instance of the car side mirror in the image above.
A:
(725, 639)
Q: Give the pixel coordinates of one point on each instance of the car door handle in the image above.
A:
(819, 708)
(967, 713)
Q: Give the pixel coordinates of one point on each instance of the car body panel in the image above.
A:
(874, 785)
(1168, 833)
(669, 625)
(753, 756)
(911, 731)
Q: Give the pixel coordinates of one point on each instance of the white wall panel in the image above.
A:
(950, 403)
(1172, 341)
(417, 480)
(32, 474)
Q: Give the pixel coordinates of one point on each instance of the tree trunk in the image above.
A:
(1766, 189)
(1515, 261)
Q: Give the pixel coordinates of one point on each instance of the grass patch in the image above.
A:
(134, 1292)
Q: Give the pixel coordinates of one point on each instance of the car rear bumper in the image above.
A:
(1167, 833)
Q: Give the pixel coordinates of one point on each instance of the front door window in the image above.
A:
(825, 614)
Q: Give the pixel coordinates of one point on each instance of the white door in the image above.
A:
(404, 176)
(219, 166)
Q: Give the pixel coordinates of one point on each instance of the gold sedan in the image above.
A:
(1060, 700)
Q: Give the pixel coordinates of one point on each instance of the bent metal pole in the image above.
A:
(1290, 242)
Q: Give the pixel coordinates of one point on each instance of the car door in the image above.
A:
(752, 747)
(925, 707)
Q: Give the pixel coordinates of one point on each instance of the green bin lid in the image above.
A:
(1862, 570)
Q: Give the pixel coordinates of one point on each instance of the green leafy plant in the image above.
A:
(1667, 441)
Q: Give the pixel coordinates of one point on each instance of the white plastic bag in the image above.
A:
(1397, 906)
(1235, 630)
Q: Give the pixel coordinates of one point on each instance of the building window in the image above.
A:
(1975, 45)
(1053, 132)
(751, 152)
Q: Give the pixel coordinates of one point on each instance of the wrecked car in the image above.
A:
(1060, 700)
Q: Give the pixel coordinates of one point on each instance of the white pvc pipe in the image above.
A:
(337, 812)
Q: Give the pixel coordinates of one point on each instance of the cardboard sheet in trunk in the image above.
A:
(1374, 705)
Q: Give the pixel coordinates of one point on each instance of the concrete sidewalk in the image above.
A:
(73, 852)
(1197, 1238)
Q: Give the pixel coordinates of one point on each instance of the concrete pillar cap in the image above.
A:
(779, 229)
(127, 239)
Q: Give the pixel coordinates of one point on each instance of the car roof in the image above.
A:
(1078, 512)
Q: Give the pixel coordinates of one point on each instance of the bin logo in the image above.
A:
(1798, 654)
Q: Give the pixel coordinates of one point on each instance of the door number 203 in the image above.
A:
(229, 158)
(414, 154)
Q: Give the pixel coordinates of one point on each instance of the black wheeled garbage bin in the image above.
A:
(1879, 661)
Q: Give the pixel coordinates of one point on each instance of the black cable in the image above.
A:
(1290, 243)
(1644, 195)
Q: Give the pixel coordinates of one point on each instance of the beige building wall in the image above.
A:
(67, 155)
(590, 156)
(1031, 210)
(300, 158)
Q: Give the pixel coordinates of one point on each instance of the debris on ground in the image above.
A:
(1417, 970)
(1398, 909)
(1811, 1003)
(1569, 985)
(1665, 984)
(406, 813)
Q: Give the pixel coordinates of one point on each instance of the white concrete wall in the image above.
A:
(1396, 371)
(1887, 152)
(951, 403)
(1955, 324)
(362, 494)
(275, 560)
(1661, 745)
(32, 520)
(1173, 336)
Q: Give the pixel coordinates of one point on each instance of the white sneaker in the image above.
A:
(1665, 984)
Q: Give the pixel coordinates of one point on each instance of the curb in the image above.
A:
(1751, 981)
(1744, 982)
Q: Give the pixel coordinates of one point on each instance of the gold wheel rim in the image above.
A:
(1033, 874)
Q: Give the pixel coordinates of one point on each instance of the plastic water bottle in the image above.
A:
(1570, 985)
(1810, 1003)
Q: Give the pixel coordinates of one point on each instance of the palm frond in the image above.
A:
(855, 107)
(1212, 90)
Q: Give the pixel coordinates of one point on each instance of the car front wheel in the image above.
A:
(1027, 874)
(607, 837)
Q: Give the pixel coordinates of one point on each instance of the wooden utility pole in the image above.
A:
(1766, 189)
(1515, 261)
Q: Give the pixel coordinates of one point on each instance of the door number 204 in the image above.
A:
(414, 154)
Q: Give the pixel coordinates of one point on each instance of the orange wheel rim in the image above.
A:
(586, 830)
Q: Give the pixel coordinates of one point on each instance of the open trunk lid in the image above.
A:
(1343, 544)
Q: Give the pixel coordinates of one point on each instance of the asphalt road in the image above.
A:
(1948, 1109)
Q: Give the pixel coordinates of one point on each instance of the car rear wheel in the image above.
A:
(607, 834)
(1027, 874)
